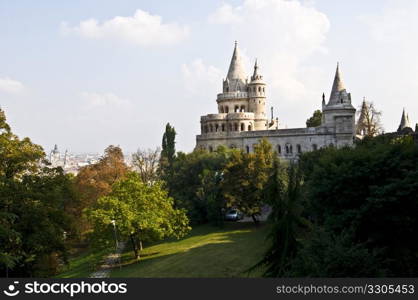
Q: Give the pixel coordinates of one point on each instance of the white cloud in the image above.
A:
(198, 77)
(95, 100)
(142, 29)
(282, 35)
(10, 86)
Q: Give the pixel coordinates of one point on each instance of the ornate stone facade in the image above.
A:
(241, 119)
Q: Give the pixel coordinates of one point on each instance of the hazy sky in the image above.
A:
(85, 74)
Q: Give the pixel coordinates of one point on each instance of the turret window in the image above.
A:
(299, 148)
(236, 126)
(236, 109)
(223, 127)
(247, 148)
(259, 89)
(242, 127)
(216, 127)
(279, 149)
(227, 109)
(221, 109)
(242, 108)
(249, 128)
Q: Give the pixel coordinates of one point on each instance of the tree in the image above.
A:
(244, 178)
(283, 192)
(145, 162)
(373, 221)
(369, 123)
(195, 184)
(96, 180)
(32, 202)
(315, 120)
(141, 212)
(168, 151)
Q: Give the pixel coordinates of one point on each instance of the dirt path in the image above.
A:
(110, 262)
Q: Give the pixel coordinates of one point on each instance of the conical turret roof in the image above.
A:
(404, 121)
(236, 68)
(337, 87)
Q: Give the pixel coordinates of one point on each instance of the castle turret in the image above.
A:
(257, 99)
(339, 113)
(404, 122)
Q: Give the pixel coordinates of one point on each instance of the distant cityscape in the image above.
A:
(72, 162)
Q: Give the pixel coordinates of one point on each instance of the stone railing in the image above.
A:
(232, 95)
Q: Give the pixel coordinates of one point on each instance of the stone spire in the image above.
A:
(256, 75)
(338, 88)
(236, 78)
(361, 122)
(404, 121)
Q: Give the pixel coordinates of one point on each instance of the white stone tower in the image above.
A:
(257, 99)
(339, 113)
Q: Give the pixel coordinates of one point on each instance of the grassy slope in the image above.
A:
(206, 252)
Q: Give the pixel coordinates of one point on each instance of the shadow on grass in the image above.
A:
(206, 252)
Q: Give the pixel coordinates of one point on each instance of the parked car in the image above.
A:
(233, 215)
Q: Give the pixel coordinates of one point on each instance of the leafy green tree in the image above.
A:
(195, 184)
(315, 120)
(244, 179)
(284, 196)
(168, 151)
(32, 207)
(369, 191)
(141, 212)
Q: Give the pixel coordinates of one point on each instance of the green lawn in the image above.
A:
(206, 252)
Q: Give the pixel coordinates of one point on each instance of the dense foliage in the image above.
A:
(362, 204)
(33, 203)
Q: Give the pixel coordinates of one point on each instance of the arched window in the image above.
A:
(206, 129)
(279, 149)
(253, 89)
(263, 90)
(221, 109)
(314, 147)
(299, 148)
(236, 109)
(259, 89)
(223, 127)
(216, 127)
(236, 126)
(242, 127)
(287, 148)
(242, 108)
(291, 149)
(249, 127)
(227, 89)
(247, 148)
(210, 149)
(227, 109)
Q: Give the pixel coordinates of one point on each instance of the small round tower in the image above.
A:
(257, 99)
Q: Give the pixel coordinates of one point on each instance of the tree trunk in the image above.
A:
(135, 247)
(140, 245)
(253, 216)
